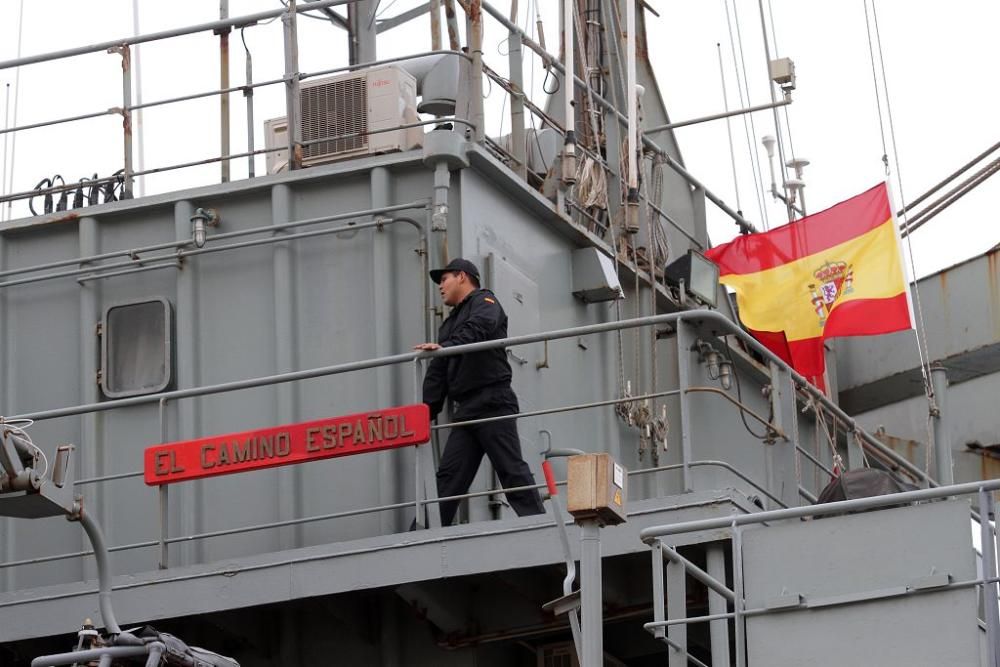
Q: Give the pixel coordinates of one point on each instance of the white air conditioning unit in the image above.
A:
(354, 114)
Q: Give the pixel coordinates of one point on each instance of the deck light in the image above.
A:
(698, 275)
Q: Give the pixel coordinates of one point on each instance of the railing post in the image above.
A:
(517, 132)
(476, 49)
(223, 34)
(991, 607)
(591, 594)
(125, 52)
(942, 438)
(719, 629)
(683, 381)
(740, 601)
(659, 613)
(293, 102)
(677, 609)
(782, 476)
(425, 480)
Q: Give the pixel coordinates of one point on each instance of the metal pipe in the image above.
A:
(247, 89)
(156, 650)
(475, 15)
(569, 92)
(433, 539)
(196, 163)
(103, 570)
(952, 196)
(591, 602)
(659, 608)
(223, 34)
(293, 100)
(719, 116)
(632, 104)
(515, 62)
(549, 411)
(717, 321)
(134, 254)
(235, 22)
(991, 607)
(451, 17)
(652, 625)
(435, 10)
(683, 380)
(739, 605)
(696, 572)
(858, 504)
(950, 177)
(676, 635)
(718, 627)
(248, 96)
(126, 55)
(551, 61)
(89, 655)
(349, 513)
(777, 120)
(942, 433)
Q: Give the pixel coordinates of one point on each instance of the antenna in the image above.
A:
(6, 135)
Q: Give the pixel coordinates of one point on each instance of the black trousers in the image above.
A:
(464, 452)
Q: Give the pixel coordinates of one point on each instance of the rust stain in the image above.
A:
(65, 217)
(993, 276)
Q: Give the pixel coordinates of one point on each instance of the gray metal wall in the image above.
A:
(315, 302)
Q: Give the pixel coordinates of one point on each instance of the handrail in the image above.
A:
(233, 22)
(134, 253)
(718, 320)
(652, 533)
(271, 525)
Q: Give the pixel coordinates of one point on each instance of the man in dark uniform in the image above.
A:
(478, 385)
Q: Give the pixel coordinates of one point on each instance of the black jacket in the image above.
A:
(479, 382)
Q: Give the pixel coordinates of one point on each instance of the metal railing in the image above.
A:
(657, 537)
(292, 78)
(423, 465)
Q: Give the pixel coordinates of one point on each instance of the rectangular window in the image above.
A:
(136, 348)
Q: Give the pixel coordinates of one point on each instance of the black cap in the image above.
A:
(457, 264)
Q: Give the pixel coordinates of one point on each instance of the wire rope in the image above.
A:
(920, 333)
(748, 124)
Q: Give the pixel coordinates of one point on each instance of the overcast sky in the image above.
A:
(940, 62)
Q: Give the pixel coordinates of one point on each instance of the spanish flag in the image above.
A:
(834, 273)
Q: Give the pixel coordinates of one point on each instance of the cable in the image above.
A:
(739, 392)
(924, 353)
(748, 125)
(729, 130)
(18, 426)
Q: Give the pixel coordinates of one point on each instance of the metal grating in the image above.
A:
(335, 109)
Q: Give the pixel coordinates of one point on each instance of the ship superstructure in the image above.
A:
(296, 295)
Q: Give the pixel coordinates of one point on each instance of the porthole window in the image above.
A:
(136, 348)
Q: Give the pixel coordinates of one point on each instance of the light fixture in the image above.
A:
(697, 275)
(726, 374)
(200, 221)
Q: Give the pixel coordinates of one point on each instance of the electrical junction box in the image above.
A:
(594, 276)
(782, 71)
(596, 489)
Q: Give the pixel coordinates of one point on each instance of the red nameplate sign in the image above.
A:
(284, 445)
